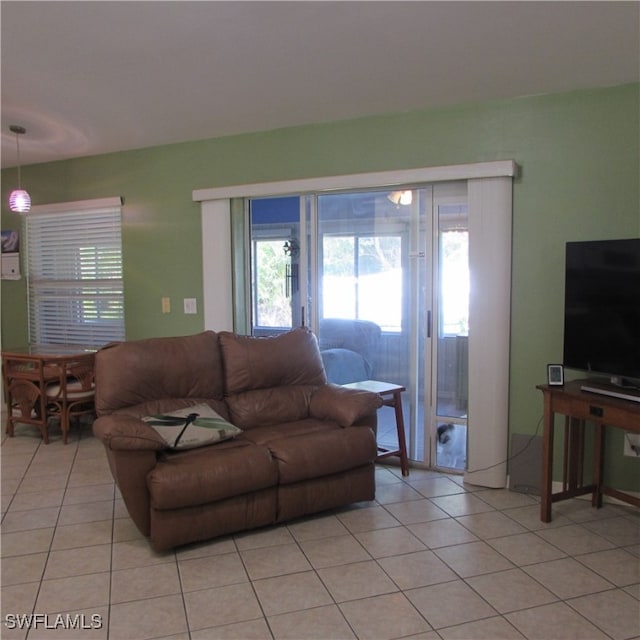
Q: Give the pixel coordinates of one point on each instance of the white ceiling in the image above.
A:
(87, 78)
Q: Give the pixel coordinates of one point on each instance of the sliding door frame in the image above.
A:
(490, 224)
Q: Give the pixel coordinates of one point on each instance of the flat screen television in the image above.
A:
(602, 312)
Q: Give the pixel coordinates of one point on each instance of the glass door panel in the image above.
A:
(275, 264)
(451, 381)
(377, 275)
(419, 314)
(363, 272)
(356, 269)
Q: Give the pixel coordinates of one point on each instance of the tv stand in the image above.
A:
(580, 408)
(601, 387)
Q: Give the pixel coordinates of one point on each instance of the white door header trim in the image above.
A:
(493, 169)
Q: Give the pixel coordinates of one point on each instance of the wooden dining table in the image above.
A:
(26, 372)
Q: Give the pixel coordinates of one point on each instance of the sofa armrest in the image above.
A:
(132, 451)
(342, 405)
(120, 432)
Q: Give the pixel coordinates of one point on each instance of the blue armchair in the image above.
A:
(348, 349)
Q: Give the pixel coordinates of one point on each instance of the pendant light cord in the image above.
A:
(18, 150)
(19, 199)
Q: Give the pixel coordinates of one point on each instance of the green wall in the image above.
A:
(580, 165)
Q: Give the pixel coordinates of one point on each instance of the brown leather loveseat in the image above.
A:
(305, 445)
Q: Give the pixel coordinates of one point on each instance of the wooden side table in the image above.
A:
(391, 395)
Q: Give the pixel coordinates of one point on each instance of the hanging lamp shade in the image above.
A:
(19, 199)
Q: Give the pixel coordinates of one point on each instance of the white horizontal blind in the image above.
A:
(74, 269)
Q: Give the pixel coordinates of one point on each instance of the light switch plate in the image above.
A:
(190, 305)
(11, 266)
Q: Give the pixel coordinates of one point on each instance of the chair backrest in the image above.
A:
(24, 377)
(359, 336)
(74, 376)
(343, 366)
(82, 370)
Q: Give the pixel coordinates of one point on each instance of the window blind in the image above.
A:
(74, 270)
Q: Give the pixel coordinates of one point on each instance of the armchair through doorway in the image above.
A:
(348, 349)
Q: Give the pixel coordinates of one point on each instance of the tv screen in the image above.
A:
(602, 308)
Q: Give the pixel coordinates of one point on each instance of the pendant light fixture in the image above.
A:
(401, 197)
(19, 200)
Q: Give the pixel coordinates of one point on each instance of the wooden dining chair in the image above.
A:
(72, 394)
(24, 381)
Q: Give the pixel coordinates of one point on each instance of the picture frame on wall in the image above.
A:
(10, 254)
(555, 375)
(10, 241)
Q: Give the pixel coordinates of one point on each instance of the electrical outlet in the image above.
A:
(190, 305)
(166, 305)
(632, 444)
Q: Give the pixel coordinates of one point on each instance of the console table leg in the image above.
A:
(575, 454)
(598, 466)
(547, 462)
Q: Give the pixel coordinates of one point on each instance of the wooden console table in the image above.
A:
(580, 406)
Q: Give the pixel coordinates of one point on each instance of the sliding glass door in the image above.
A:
(381, 276)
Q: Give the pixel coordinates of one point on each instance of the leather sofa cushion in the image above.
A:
(265, 435)
(139, 371)
(200, 476)
(292, 358)
(322, 453)
(264, 407)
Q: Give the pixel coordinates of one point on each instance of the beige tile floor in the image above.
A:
(429, 559)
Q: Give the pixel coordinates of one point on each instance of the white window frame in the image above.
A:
(73, 264)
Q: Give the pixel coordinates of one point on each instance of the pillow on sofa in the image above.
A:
(192, 427)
